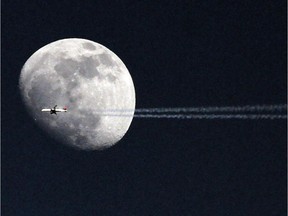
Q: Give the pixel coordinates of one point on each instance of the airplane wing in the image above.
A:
(45, 110)
(61, 110)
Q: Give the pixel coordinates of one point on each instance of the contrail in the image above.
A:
(203, 116)
(255, 112)
(248, 108)
(214, 116)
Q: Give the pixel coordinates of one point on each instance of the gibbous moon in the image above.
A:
(86, 77)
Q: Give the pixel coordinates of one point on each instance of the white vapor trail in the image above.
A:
(215, 116)
(247, 108)
(256, 108)
(255, 112)
(202, 116)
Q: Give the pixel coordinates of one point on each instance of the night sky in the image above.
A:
(179, 54)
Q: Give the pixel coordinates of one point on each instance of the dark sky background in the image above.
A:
(179, 54)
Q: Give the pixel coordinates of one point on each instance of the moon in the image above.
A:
(86, 77)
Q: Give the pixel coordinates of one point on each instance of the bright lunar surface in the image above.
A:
(87, 78)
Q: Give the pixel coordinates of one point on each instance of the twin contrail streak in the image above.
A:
(255, 112)
(256, 108)
(215, 116)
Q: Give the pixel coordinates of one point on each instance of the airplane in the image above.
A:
(54, 110)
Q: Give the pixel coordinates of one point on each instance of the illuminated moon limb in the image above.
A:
(84, 76)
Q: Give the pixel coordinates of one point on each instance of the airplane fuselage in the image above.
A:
(54, 110)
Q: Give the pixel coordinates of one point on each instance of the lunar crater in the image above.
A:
(66, 67)
(106, 59)
(88, 46)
